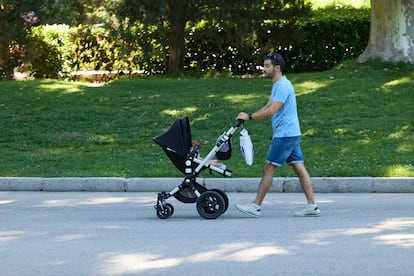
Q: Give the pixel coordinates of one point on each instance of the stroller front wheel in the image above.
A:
(166, 212)
(210, 205)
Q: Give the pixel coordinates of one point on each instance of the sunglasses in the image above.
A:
(274, 57)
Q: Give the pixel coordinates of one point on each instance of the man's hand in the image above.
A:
(243, 116)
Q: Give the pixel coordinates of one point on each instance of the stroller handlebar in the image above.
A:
(237, 123)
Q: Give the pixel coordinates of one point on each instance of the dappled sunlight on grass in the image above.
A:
(61, 87)
(103, 139)
(400, 81)
(406, 147)
(308, 87)
(400, 170)
(308, 132)
(402, 132)
(186, 111)
(244, 99)
(132, 263)
(200, 118)
(55, 150)
(342, 131)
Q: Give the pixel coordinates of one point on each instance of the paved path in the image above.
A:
(119, 234)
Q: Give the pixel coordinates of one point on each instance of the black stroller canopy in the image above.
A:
(177, 138)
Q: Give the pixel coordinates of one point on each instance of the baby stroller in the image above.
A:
(176, 142)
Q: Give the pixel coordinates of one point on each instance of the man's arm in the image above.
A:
(265, 112)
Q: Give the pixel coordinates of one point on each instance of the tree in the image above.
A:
(392, 31)
(15, 17)
(171, 17)
(240, 19)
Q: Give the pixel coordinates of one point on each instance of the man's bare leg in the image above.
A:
(305, 181)
(265, 183)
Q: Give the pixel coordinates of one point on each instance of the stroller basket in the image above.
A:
(176, 142)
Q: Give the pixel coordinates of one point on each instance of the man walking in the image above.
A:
(285, 145)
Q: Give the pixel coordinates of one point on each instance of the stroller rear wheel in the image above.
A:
(166, 212)
(225, 198)
(210, 205)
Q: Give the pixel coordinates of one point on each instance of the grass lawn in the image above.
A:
(356, 120)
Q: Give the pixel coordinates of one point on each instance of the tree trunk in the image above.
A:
(4, 53)
(177, 21)
(392, 31)
(176, 44)
(4, 60)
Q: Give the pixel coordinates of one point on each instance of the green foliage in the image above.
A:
(94, 48)
(18, 41)
(333, 35)
(150, 49)
(356, 120)
(314, 44)
(217, 40)
(229, 26)
(48, 51)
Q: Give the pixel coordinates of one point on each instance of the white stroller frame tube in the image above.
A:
(224, 138)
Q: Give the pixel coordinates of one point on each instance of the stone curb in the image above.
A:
(280, 185)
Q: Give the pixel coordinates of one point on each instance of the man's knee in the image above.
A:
(268, 168)
(299, 169)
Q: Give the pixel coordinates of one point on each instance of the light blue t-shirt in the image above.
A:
(285, 121)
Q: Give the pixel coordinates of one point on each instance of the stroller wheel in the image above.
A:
(225, 198)
(166, 212)
(210, 205)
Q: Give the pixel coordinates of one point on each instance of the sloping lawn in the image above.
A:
(356, 120)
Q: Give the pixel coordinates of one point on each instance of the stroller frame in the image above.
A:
(210, 203)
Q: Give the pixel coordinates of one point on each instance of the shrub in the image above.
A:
(331, 35)
(48, 51)
(319, 43)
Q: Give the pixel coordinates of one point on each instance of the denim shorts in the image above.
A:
(286, 149)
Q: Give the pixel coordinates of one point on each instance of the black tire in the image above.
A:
(210, 205)
(166, 213)
(225, 197)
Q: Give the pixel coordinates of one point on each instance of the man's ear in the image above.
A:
(277, 67)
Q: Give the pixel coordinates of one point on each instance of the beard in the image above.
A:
(269, 75)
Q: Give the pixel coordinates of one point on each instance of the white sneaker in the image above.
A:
(309, 212)
(250, 209)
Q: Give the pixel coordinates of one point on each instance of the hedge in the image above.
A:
(316, 44)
